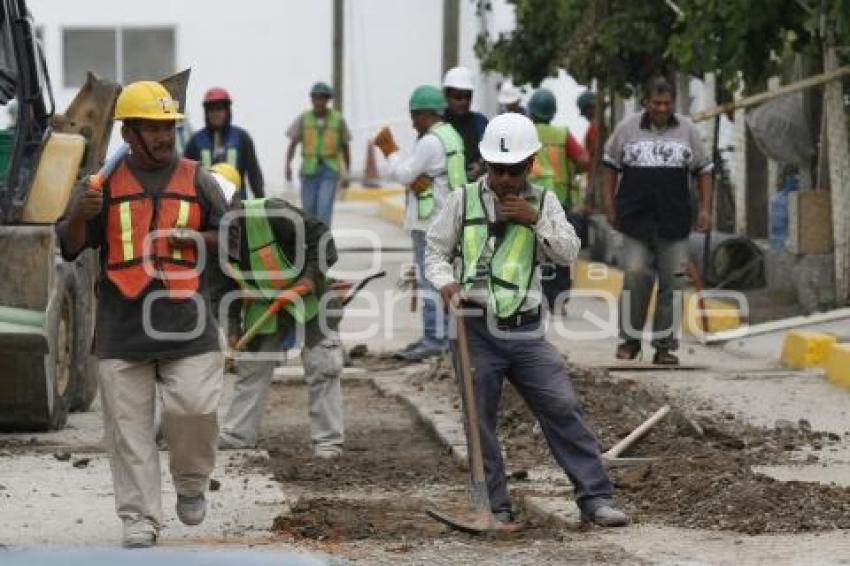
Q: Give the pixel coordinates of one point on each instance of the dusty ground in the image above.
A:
(369, 505)
(703, 477)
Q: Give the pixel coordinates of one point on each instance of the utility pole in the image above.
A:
(451, 33)
(338, 52)
(839, 174)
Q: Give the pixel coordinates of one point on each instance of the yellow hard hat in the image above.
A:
(146, 100)
(227, 171)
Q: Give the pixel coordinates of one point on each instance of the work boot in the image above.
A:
(663, 357)
(604, 514)
(226, 442)
(138, 533)
(628, 350)
(191, 510)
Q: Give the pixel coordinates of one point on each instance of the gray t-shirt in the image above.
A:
(119, 329)
(653, 197)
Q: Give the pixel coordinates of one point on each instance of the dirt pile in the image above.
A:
(703, 476)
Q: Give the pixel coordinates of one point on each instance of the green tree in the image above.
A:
(621, 42)
(624, 42)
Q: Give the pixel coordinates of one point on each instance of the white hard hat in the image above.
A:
(509, 93)
(509, 138)
(459, 78)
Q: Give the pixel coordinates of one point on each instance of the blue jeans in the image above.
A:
(432, 314)
(318, 192)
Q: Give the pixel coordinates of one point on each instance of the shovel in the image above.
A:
(481, 520)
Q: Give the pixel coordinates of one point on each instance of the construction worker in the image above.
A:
(155, 223)
(554, 168)
(276, 239)
(324, 138)
(458, 88)
(218, 284)
(221, 141)
(435, 168)
(650, 160)
(500, 228)
(510, 98)
(586, 103)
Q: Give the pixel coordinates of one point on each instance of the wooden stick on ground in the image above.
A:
(636, 434)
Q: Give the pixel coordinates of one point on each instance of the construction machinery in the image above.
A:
(46, 304)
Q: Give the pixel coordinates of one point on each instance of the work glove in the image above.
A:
(421, 184)
(385, 142)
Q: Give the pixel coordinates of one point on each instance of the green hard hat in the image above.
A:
(322, 89)
(586, 100)
(427, 97)
(542, 104)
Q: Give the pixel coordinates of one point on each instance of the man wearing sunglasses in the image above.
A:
(497, 231)
(458, 87)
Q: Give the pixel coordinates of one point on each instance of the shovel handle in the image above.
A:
(466, 382)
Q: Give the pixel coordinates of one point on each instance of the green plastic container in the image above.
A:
(7, 146)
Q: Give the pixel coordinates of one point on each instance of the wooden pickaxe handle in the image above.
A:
(285, 298)
(480, 495)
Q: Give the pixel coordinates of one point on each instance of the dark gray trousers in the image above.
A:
(537, 371)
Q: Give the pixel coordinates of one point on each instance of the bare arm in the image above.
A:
(609, 188)
(290, 154)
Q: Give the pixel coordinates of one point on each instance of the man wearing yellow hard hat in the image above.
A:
(155, 225)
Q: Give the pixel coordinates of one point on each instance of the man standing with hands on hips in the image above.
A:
(501, 228)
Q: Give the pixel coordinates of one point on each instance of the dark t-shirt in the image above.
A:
(123, 326)
(293, 228)
(470, 127)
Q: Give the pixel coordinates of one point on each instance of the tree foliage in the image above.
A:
(624, 42)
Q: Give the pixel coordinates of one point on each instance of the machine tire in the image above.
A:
(85, 365)
(57, 375)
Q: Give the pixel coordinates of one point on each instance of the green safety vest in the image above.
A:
(272, 271)
(206, 140)
(320, 145)
(552, 168)
(512, 265)
(455, 167)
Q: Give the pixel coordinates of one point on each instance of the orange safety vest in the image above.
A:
(132, 215)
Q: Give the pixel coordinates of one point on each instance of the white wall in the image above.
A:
(267, 54)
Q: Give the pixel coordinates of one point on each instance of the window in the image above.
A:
(121, 54)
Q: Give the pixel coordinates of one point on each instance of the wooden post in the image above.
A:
(839, 177)
(338, 53)
(451, 34)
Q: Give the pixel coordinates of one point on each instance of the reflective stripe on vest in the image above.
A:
(552, 168)
(132, 215)
(512, 265)
(455, 167)
(320, 145)
(231, 146)
(271, 271)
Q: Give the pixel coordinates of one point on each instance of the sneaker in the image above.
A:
(399, 355)
(327, 452)
(628, 350)
(421, 353)
(604, 515)
(138, 533)
(191, 510)
(663, 357)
